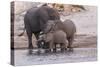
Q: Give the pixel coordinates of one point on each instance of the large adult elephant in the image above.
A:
(35, 20)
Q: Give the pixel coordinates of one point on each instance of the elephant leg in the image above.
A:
(37, 43)
(65, 44)
(62, 45)
(47, 47)
(30, 46)
(70, 41)
(54, 48)
(29, 34)
(50, 46)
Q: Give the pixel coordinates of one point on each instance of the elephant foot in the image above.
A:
(47, 51)
(30, 51)
(38, 53)
(62, 49)
(70, 50)
(54, 50)
(65, 49)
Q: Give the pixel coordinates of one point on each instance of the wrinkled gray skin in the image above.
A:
(67, 26)
(56, 37)
(35, 20)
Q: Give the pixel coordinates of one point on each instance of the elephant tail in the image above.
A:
(22, 32)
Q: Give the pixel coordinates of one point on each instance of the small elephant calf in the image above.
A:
(67, 26)
(54, 38)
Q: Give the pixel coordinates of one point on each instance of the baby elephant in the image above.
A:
(67, 26)
(56, 37)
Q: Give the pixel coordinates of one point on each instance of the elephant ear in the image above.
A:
(55, 25)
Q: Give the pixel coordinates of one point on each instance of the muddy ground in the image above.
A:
(85, 42)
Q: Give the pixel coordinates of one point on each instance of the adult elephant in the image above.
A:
(35, 20)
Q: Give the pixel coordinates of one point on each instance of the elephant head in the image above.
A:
(52, 25)
(53, 13)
